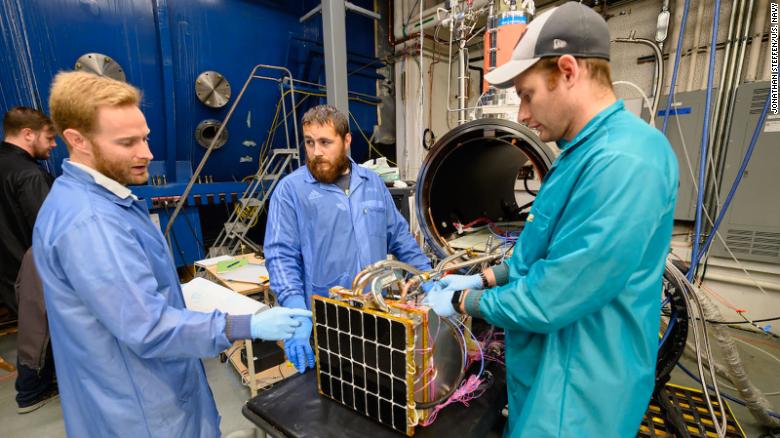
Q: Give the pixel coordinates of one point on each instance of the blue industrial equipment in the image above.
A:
(162, 47)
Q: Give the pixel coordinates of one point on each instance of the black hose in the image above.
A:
(525, 186)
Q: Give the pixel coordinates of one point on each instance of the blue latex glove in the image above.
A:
(451, 283)
(298, 348)
(278, 323)
(427, 286)
(440, 301)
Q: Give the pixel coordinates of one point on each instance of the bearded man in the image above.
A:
(127, 350)
(327, 221)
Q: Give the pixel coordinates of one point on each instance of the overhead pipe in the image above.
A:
(704, 142)
(391, 38)
(680, 30)
(756, 40)
(767, 69)
(430, 20)
(659, 69)
(726, 107)
(695, 46)
(709, 184)
(678, 13)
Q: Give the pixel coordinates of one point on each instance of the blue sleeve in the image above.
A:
(597, 245)
(108, 270)
(400, 242)
(282, 248)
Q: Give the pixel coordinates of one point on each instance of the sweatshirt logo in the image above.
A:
(314, 195)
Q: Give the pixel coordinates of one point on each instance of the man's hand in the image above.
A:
(451, 283)
(298, 348)
(278, 323)
(440, 301)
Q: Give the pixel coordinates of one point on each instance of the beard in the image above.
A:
(119, 171)
(328, 172)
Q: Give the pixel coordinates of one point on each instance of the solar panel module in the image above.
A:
(378, 363)
(393, 360)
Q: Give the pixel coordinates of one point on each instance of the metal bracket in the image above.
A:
(347, 5)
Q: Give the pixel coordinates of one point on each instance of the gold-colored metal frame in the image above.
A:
(412, 416)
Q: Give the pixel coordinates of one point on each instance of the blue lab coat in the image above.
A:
(582, 306)
(317, 237)
(126, 349)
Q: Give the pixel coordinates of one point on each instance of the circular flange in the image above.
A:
(101, 65)
(207, 130)
(212, 89)
(471, 172)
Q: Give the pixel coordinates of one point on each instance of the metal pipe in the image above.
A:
(311, 13)
(756, 40)
(723, 130)
(679, 12)
(469, 263)
(364, 276)
(376, 291)
(449, 259)
(680, 30)
(734, 83)
(362, 11)
(767, 66)
(726, 54)
(709, 182)
(659, 70)
(695, 46)
(348, 6)
(462, 81)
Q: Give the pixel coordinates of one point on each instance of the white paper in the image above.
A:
(249, 273)
(205, 263)
(202, 295)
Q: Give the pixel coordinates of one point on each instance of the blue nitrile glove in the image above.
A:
(298, 348)
(278, 323)
(440, 301)
(427, 286)
(451, 283)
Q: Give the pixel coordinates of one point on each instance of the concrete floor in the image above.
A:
(47, 422)
(230, 395)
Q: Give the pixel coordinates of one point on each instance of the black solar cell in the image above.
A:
(383, 359)
(369, 327)
(356, 321)
(399, 335)
(362, 362)
(343, 319)
(357, 349)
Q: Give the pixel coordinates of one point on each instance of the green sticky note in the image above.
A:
(229, 265)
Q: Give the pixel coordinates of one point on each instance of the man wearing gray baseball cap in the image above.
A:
(580, 297)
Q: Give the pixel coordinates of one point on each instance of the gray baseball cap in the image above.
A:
(569, 29)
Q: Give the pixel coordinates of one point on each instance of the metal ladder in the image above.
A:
(253, 201)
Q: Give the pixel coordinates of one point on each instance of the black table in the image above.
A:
(294, 408)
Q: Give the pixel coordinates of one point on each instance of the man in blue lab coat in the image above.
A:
(327, 221)
(127, 351)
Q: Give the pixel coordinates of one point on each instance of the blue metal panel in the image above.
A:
(59, 31)
(230, 37)
(162, 45)
(166, 66)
